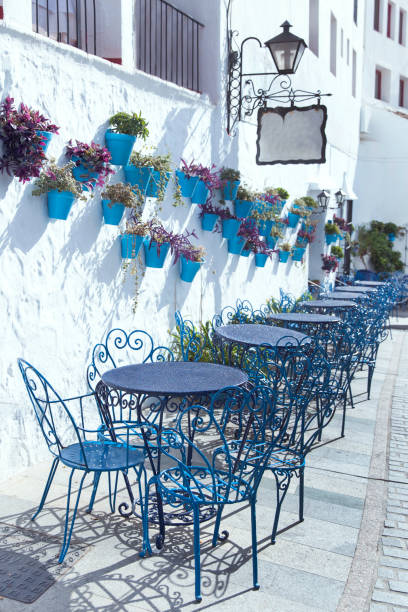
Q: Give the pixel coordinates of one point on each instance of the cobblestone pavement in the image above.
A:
(391, 588)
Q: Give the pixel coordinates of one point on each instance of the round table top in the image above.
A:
(338, 295)
(303, 317)
(354, 289)
(370, 283)
(329, 303)
(253, 334)
(174, 378)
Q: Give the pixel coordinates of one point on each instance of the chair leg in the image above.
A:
(146, 548)
(69, 528)
(301, 493)
(343, 420)
(254, 545)
(197, 560)
(351, 395)
(369, 379)
(50, 478)
(112, 493)
(282, 487)
(216, 536)
(94, 490)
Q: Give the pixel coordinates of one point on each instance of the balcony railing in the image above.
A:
(168, 43)
(69, 21)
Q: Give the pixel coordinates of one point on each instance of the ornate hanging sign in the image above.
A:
(291, 135)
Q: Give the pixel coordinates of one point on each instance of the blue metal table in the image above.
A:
(255, 335)
(354, 289)
(306, 321)
(369, 283)
(338, 295)
(162, 388)
(323, 306)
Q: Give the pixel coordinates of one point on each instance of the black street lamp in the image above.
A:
(286, 50)
(323, 199)
(340, 197)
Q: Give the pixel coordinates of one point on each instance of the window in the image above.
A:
(390, 20)
(333, 44)
(377, 15)
(348, 52)
(354, 74)
(314, 26)
(341, 42)
(378, 84)
(402, 27)
(403, 92)
(355, 11)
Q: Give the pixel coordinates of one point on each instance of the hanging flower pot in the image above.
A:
(331, 238)
(200, 193)
(208, 221)
(284, 256)
(59, 204)
(235, 245)
(260, 259)
(187, 183)
(243, 208)
(120, 147)
(46, 139)
(112, 213)
(391, 237)
(130, 245)
(293, 219)
(271, 241)
(83, 174)
(245, 252)
(298, 253)
(188, 269)
(154, 255)
(139, 176)
(230, 189)
(157, 184)
(265, 227)
(230, 227)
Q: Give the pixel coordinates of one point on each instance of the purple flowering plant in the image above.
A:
(250, 232)
(330, 263)
(23, 155)
(94, 157)
(207, 174)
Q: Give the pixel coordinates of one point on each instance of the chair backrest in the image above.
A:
(122, 348)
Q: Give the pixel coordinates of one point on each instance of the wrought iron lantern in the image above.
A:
(340, 197)
(323, 199)
(286, 50)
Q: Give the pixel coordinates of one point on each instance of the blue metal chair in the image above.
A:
(62, 423)
(207, 470)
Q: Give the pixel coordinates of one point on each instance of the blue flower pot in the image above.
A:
(229, 191)
(271, 241)
(113, 214)
(139, 176)
(284, 256)
(235, 245)
(157, 181)
(59, 204)
(260, 260)
(153, 259)
(200, 193)
(120, 147)
(187, 183)
(188, 269)
(298, 253)
(245, 253)
(293, 219)
(243, 208)
(82, 174)
(130, 246)
(391, 237)
(46, 137)
(265, 227)
(208, 221)
(230, 227)
(331, 238)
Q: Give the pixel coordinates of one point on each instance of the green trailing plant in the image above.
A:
(282, 193)
(276, 232)
(229, 174)
(133, 124)
(337, 251)
(310, 202)
(373, 243)
(285, 246)
(264, 211)
(60, 178)
(331, 229)
(121, 193)
(162, 164)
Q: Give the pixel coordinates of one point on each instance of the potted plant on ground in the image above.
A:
(115, 198)
(91, 163)
(230, 181)
(337, 252)
(61, 189)
(209, 214)
(244, 201)
(284, 252)
(330, 263)
(332, 232)
(132, 238)
(25, 135)
(121, 137)
(150, 174)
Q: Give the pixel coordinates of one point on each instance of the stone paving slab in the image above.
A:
(308, 569)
